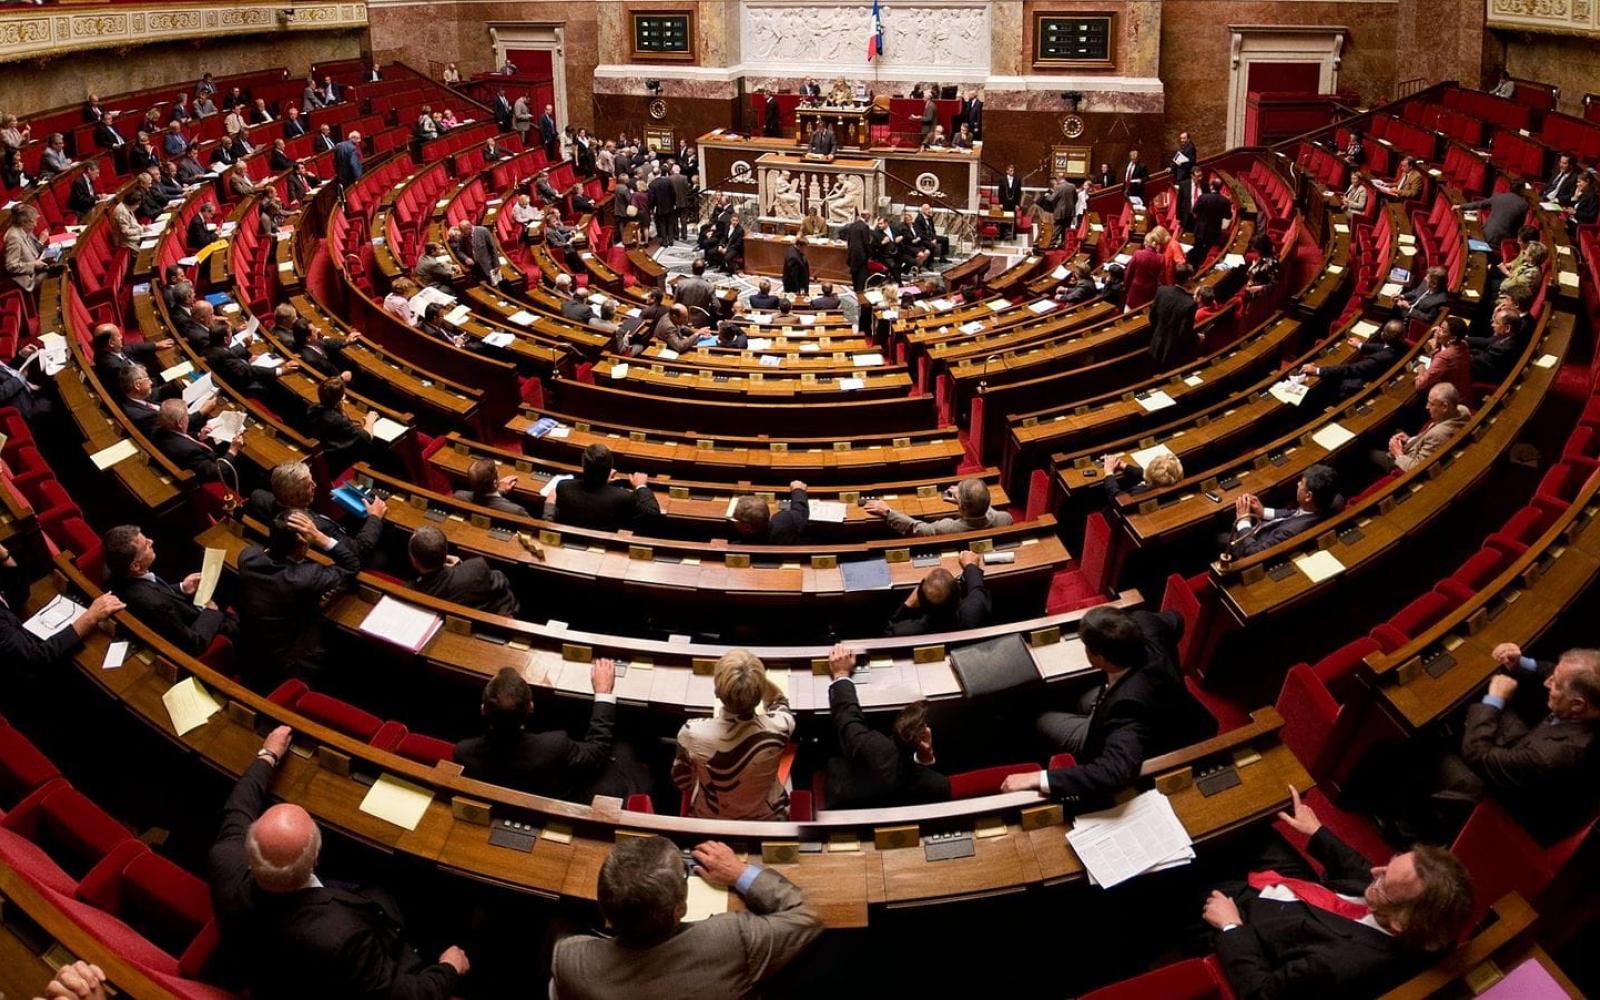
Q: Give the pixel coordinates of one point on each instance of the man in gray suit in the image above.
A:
(54, 160)
(311, 97)
(1063, 206)
(476, 243)
(643, 896)
(682, 200)
(975, 513)
(1507, 211)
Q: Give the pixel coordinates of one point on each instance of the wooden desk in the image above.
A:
(765, 254)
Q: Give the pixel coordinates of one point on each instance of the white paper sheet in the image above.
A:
(1138, 836)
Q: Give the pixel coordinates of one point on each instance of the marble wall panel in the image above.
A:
(1195, 54)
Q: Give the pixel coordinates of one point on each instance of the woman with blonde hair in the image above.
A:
(1160, 472)
(1172, 253)
(729, 763)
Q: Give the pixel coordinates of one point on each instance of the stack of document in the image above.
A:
(400, 623)
(225, 426)
(1140, 835)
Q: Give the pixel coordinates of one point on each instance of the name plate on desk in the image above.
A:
(928, 654)
(737, 560)
(887, 838)
(1036, 817)
(577, 654)
(780, 852)
(703, 666)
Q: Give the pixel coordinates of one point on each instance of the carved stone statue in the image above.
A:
(846, 199)
(786, 202)
(814, 192)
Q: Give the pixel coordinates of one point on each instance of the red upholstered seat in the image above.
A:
(1503, 858)
(340, 715)
(72, 830)
(22, 767)
(425, 749)
(985, 781)
(1190, 979)
(163, 902)
(1411, 621)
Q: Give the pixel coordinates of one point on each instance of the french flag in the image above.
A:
(875, 41)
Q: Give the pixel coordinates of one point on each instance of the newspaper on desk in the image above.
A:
(1139, 836)
(197, 393)
(1290, 391)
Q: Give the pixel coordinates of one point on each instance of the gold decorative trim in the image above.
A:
(1563, 17)
(24, 34)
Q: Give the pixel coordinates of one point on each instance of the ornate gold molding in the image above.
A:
(34, 32)
(1563, 17)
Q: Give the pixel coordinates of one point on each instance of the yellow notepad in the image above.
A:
(1319, 566)
(395, 801)
(705, 900)
(189, 705)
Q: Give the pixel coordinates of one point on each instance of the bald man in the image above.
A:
(291, 935)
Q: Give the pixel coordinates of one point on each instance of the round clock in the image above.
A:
(658, 109)
(1072, 126)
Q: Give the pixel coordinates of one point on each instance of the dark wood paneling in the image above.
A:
(688, 117)
(1025, 138)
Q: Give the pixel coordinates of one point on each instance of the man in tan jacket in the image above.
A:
(23, 249)
(1446, 417)
(643, 894)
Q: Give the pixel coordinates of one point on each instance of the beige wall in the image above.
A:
(45, 84)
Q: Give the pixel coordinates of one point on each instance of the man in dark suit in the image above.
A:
(138, 402)
(858, 251)
(927, 234)
(83, 196)
(1134, 176)
(344, 442)
(486, 488)
(592, 500)
(200, 233)
(281, 592)
(1172, 333)
(324, 140)
(729, 255)
(972, 113)
(550, 763)
(772, 120)
(797, 269)
(22, 651)
(1529, 743)
(167, 608)
(663, 205)
(872, 770)
(930, 118)
(942, 603)
(172, 437)
(1358, 930)
(469, 582)
(828, 299)
(279, 158)
(1141, 710)
(1376, 355)
(1183, 176)
(292, 487)
(347, 160)
(1063, 209)
(111, 356)
(1424, 300)
(756, 524)
(501, 109)
(1010, 192)
(285, 928)
(1562, 184)
(1257, 528)
(822, 142)
(547, 133)
(293, 125)
(1210, 218)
